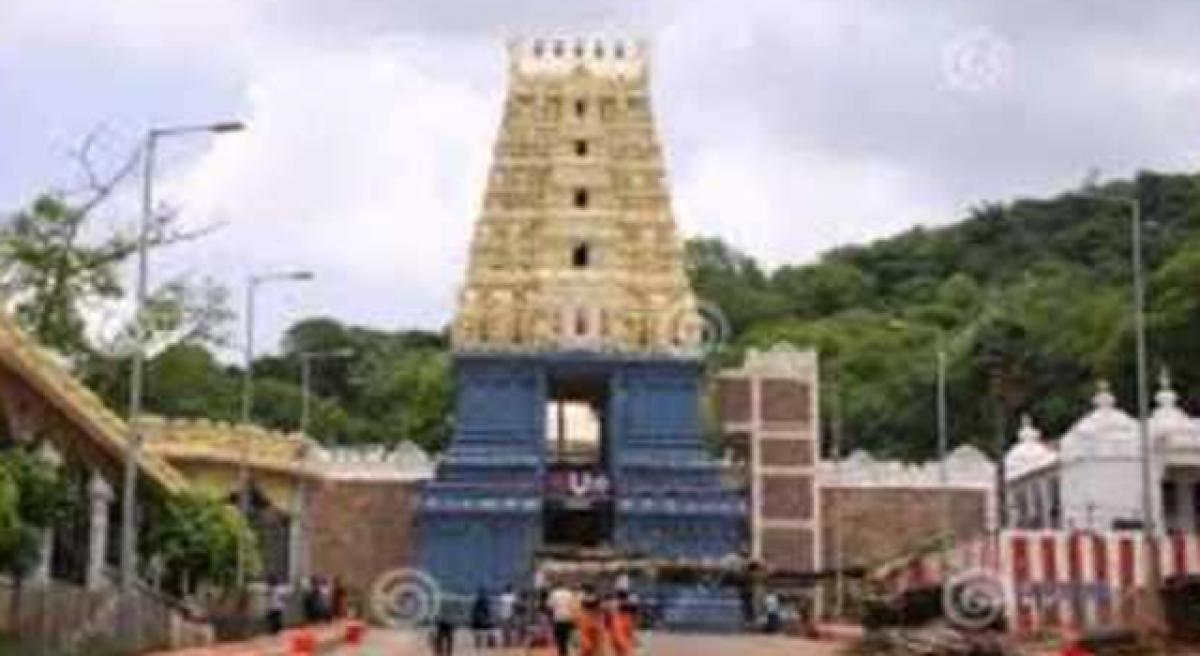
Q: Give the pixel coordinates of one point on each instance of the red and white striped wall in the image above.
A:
(1056, 579)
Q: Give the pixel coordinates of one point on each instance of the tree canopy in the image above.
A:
(1032, 297)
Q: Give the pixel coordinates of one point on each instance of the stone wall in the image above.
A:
(880, 523)
(361, 528)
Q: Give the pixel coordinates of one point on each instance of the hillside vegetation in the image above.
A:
(1033, 298)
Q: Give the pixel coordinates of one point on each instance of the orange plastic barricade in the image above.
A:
(303, 643)
(354, 632)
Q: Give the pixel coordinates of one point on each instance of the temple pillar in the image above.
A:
(41, 572)
(298, 534)
(100, 495)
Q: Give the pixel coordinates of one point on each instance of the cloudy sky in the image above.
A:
(790, 126)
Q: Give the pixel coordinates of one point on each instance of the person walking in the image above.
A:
(276, 605)
(623, 626)
(774, 610)
(506, 616)
(337, 598)
(311, 599)
(443, 633)
(561, 604)
(481, 619)
(590, 623)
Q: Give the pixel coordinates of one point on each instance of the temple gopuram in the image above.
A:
(577, 340)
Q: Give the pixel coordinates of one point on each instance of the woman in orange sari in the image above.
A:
(623, 626)
(590, 625)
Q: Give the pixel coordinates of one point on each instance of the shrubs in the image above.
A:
(33, 497)
(198, 537)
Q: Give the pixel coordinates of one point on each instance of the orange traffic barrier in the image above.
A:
(354, 632)
(303, 643)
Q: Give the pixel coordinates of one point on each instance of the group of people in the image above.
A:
(322, 599)
(559, 617)
(603, 624)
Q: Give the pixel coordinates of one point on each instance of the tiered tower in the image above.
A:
(576, 341)
(576, 245)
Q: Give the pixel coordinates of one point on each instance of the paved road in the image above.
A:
(390, 643)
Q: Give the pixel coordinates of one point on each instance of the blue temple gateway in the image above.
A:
(577, 361)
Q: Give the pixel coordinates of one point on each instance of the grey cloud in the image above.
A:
(853, 87)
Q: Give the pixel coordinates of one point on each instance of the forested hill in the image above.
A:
(1033, 298)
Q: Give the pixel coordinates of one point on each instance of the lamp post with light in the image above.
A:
(252, 285)
(128, 558)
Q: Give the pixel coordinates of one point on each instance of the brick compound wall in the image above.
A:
(882, 523)
(362, 529)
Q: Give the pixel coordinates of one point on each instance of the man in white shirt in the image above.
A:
(277, 595)
(506, 613)
(562, 612)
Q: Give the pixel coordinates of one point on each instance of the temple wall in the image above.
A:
(363, 529)
(878, 524)
(878, 510)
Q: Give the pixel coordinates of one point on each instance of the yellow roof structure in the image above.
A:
(202, 440)
(42, 371)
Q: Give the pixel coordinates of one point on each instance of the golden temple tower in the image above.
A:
(575, 247)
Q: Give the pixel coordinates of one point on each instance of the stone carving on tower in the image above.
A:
(575, 247)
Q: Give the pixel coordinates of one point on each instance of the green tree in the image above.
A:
(198, 538)
(821, 289)
(186, 380)
(52, 272)
(408, 391)
(732, 281)
(33, 497)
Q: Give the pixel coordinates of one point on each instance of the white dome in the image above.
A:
(1029, 454)
(1106, 430)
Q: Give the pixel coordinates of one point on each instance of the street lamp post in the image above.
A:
(306, 360)
(1149, 512)
(839, 542)
(128, 558)
(252, 285)
(301, 518)
(943, 437)
(943, 428)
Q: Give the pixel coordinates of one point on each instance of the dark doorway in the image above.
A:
(590, 526)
